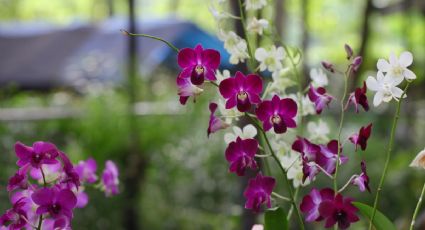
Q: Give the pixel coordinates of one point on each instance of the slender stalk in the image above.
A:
(291, 210)
(280, 196)
(40, 219)
(388, 157)
(347, 184)
(291, 193)
(341, 122)
(418, 205)
(243, 20)
(125, 32)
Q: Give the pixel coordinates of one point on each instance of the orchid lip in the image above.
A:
(276, 119)
(199, 69)
(242, 95)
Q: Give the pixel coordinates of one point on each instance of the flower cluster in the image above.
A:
(47, 187)
(279, 114)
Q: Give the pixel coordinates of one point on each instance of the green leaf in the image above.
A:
(381, 222)
(275, 219)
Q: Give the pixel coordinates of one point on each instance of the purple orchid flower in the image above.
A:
(310, 169)
(86, 171)
(19, 180)
(319, 97)
(215, 123)
(258, 192)
(328, 156)
(338, 210)
(362, 180)
(358, 97)
(40, 153)
(240, 154)
(277, 113)
(186, 89)
(241, 91)
(82, 199)
(110, 178)
(306, 148)
(360, 139)
(58, 202)
(198, 64)
(16, 217)
(311, 203)
(70, 176)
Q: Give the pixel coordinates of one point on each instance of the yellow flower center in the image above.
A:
(199, 69)
(242, 95)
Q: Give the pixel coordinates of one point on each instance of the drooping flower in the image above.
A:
(110, 179)
(310, 169)
(360, 139)
(358, 97)
(16, 217)
(240, 154)
(215, 123)
(241, 91)
(270, 59)
(59, 203)
(19, 180)
(355, 65)
(419, 160)
(40, 153)
(328, 66)
(307, 149)
(277, 113)
(385, 87)
(70, 176)
(318, 77)
(362, 180)
(186, 89)
(339, 211)
(255, 4)
(319, 97)
(292, 163)
(311, 203)
(328, 156)
(318, 131)
(397, 67)
(257, 26)
(86, 171)
(198, 64)
(258, 192)
(248, 132)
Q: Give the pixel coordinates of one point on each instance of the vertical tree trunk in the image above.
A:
(135, 162)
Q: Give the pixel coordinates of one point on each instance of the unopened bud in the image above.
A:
(328, 66)
(356, 63)
(349, 51)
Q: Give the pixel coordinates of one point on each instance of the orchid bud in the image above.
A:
(349, 51)
(356, 63)
(328, 66)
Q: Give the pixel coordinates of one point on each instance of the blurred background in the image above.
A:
(67, 75)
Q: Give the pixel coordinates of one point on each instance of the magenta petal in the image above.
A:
(42, 209)
(43, 196)
(239, 81)
(288, 107)
(210, 75)
(82, 199)
(210, 58)
(186, 57)
(44, 147)
(253, 84)
(226, 88)
(231, 102)
(185, 73)
(67, 199)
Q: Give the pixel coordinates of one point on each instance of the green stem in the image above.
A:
(341, 122)
(291, 194)
(40, 219)
(388, 157)
(291, 210)
(125, 32)
(243, 20)
(300, 88)
(418, 205)
(280, 196)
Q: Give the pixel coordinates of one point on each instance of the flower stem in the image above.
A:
(40, 220)
(418, 205)
(347, 184)
(243, 20)
(388, 157)
(125, 32)
(280, 196)
(291, 193)
(341, 122)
